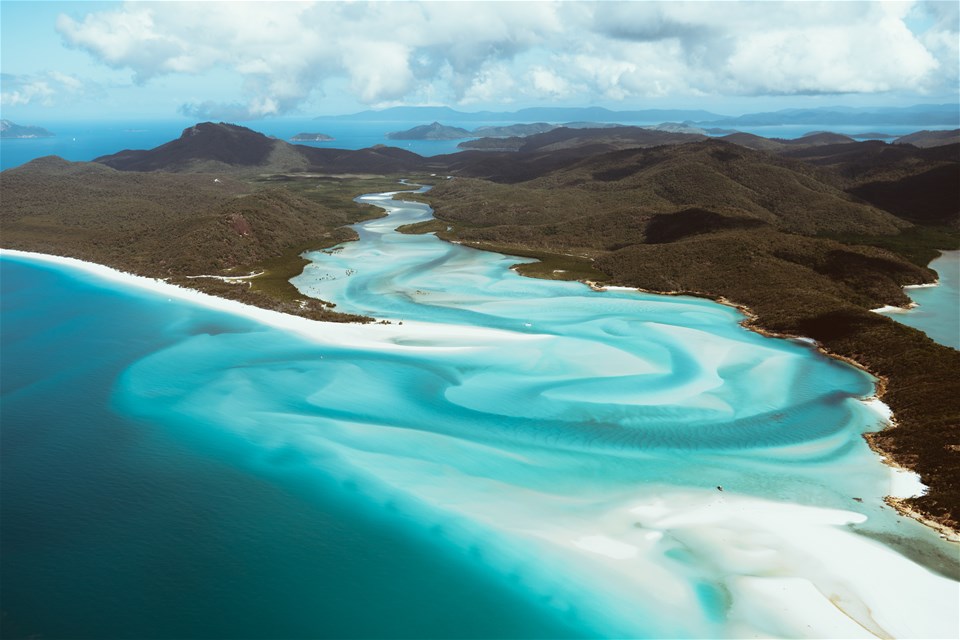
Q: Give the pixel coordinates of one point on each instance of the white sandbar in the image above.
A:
(383, 336)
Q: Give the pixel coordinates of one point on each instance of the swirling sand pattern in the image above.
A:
(641, 459)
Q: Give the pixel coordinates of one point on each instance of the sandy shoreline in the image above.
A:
(910, 306)
(383, 336)
(906, 488)
(387, 337)
(815, 551)
(889, 308)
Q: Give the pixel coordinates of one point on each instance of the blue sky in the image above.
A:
(236, 61)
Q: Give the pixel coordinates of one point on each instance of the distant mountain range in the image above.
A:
(312, 137)
(534, 114)
(13, 130)
(921, 115)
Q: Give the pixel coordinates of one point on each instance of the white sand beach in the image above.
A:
(387, 336)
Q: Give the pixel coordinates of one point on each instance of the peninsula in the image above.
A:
(10, 129)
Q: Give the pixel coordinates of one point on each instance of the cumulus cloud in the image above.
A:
(44, 89)
(759, 48)
(942, 39)
(477, 52)
(212, 110)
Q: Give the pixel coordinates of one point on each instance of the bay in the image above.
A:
(937, 310)
(519, 458)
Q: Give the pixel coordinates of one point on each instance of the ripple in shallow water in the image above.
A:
(640, 464)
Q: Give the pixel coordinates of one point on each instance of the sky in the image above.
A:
(252, 60)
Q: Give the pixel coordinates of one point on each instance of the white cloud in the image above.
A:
(44, 89)
(494, 84)
(830, 60)
(476, 52)
(379, 69)
(126, 38)
(549, 84)
(942, 39)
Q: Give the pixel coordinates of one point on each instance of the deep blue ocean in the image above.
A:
(84, 141)
(518, 459)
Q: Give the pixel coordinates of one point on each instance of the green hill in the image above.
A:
(174, 225)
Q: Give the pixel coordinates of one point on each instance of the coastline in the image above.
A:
(946, 532)
(750, 322)
(374, 334)
(801, 532)
(932, 307)
(889, 308)
(285, 317)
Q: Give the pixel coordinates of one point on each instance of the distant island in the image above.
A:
(312, 137)
(13, 130)
(678, 127)
(511, 130)
(434, 131)
(510, 137)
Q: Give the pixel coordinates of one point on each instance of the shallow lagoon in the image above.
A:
(520, 458)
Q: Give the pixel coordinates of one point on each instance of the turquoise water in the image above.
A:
(518, 459)
(148, 522)
(938, 308)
